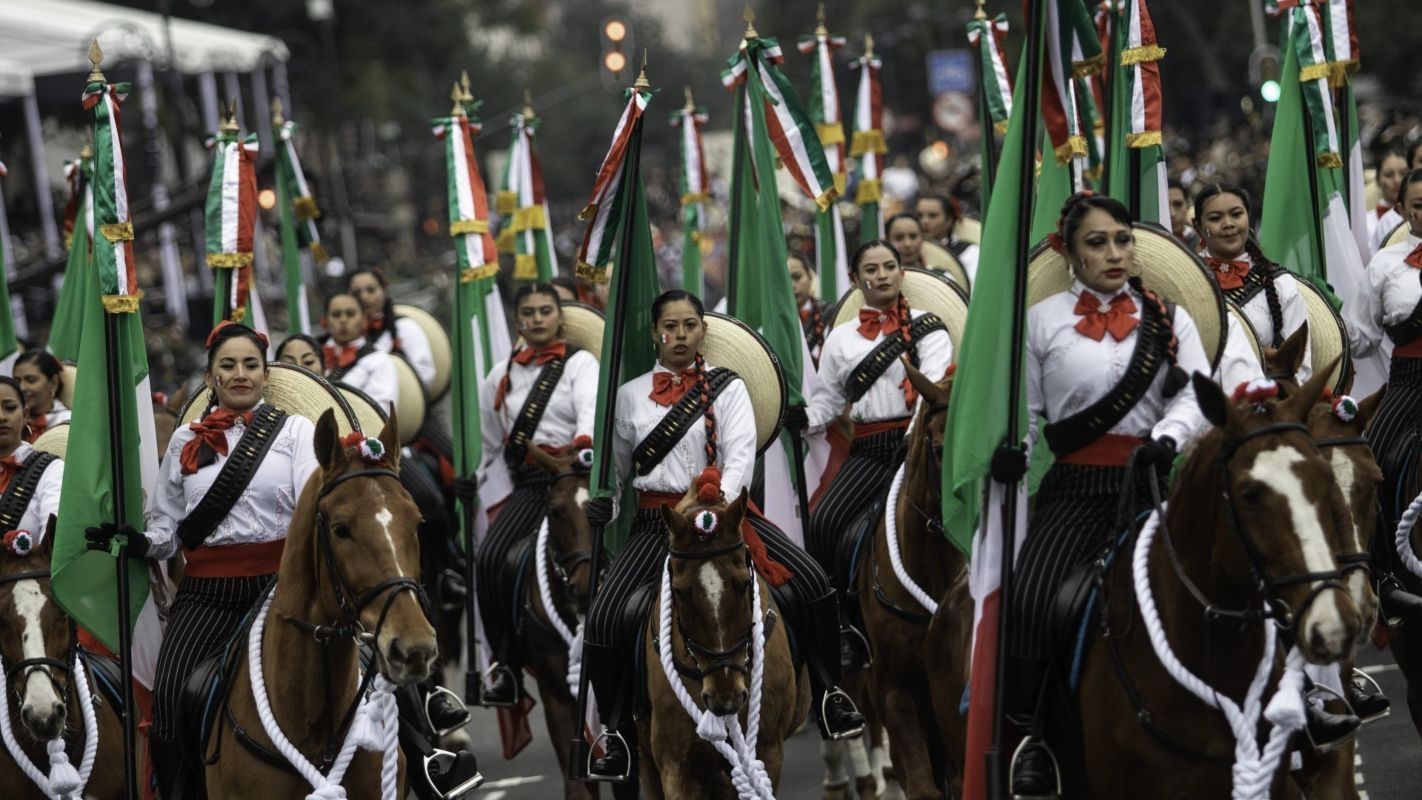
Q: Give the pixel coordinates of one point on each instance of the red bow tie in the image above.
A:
(872, 321)
(669, 387)
(1414, 258)
(1382, 209)
(1097, 317)
(9, 466)
(211, 439)
(804, 314)
(541, 355)
(340, 357)
(38, 424)
(1229, 274)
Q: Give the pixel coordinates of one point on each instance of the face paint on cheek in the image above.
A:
(665, 338)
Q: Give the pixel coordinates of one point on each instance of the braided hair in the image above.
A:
(1262, 270)
(709, 418)
(902, 312)
(1175, 377)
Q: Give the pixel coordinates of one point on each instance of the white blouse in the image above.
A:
(374, 374)
(844, 348)
(1238, 363)
(414, 344)
(1380, 227)
(1393, 289)
(58, 414)
(570, 411)
(1295, 313)
(1067, 372)
(45, 502)
(969, 259)
(261, 514)
(638, 415)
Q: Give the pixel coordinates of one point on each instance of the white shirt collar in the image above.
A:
(1077, 287)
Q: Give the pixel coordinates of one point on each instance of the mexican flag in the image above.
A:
(869, 147)
(619, 239)
(994, 93)
(823, 107)
(112, 465)
(230, 220)
(296, 208)
(68, 325)
(1137, 175)
(492, 344)
(524, 228)
(695, 193)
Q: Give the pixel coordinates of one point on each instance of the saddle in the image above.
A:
(106, 675)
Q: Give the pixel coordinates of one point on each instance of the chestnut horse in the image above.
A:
(1254, 529)
(39, 659)
(895, 622)
(712, 591)
(567, 558)
(350, 573)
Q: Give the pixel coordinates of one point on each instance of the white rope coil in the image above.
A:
(737, 746)
(1404, 537)
(891, 530)
(63, 782)
(376, 726)
(573, 639)
(1254, 769)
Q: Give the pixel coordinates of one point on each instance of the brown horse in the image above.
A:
(710, 639)
(1255, 523)
(568, 572)
(350, 571)
(895, 622)
(37, 646)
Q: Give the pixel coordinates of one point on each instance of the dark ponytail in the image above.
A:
(710, 416)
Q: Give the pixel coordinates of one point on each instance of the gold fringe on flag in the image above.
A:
(530, 218)
(1000, 126)
(463, 226)
(1091, 66)
(1143, 139)
(1330, 160)
(1314, 72)
(505, 242)
(870, 141)
(318, 252)
(840, 181)
(1338, 72)
(1074, 146)
(479, 273)
(525, 267)
(120, 303)
(831, 133)
(1142, 55)
(691, 198)
(870, 191)
(507, 201)
(588, 272)
(826, 198)
(229, 260)
(305, 208)
(117, 231)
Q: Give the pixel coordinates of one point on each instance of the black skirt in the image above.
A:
(1394, 435)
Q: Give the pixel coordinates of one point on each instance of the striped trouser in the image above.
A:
(206, 613)
(862, 479)
(519, 518)
(1393, 434)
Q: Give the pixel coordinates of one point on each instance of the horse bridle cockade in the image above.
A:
(44, 664)
(715, 659)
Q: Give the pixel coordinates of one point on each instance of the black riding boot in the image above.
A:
(1032, 769)
(612, 684)
(171, 771)
(838, 717)
(434, 774)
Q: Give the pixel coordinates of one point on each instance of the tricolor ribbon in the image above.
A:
(523, 206)
(231, 215)
(79, 174)
(1307, 37)
(1344, 57)
(303, 204)
(474, 252)
(1141, 59)
(823, 101)
(1073, 51)
(996, 78)
(602, 211)
(695, 183)
(868, 143)
(113, 248)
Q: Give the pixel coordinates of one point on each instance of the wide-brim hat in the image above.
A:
(70, 373)
(1166, 266)
(1398, 235)
(440, 348)
(1327, 338)
(926, 290)
(411, 402)
(1246, 329)
(290, 388)
(939, 258)
(967, 229)
(54, 440)
(369, 416)
(732, 344)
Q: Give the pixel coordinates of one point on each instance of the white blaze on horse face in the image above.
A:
(384, 517)
(1275, 468)
(581, 497)
(29, 606)
(714, 588)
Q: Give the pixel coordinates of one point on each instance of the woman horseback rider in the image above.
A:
(225, 493)
(1086, 349)
(861, 368)
(301, 350)
(814, 312)
(1391, 304)
(384, 329)
(906, 233)
(37, 476)
(42, 378)
(1265, 291)
(545, 396)
(939, 214)
(722, 449)
(352, 360)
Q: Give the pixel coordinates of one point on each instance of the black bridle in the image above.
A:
(565, 564)
(24, 667)
(714, 660)
(1360, 560)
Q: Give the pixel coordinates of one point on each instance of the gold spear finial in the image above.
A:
(456, 94)
(820, 29)
(465, 96)
(868, 45)
(749, 16)
(642, 82)
(229, 125)
(981, 14)
(690, 104)
(527, 104)
(87, 152)
(277, 118)
(96, 57)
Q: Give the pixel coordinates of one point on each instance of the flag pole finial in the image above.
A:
(229, 125)
(690, 104)
(96, 57)
(465, 96)
(820, 29)
(86, 152)
(980, 14)
(749, 16)
(277, 118)
(527, 104)
(642, 83)
(868, 45)
(456, 94)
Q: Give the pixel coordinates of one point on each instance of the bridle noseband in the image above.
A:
(699, 654)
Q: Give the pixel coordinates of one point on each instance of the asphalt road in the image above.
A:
(1389, 753)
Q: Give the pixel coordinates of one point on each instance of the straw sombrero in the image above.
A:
(70, 373)
(290, 388)
(440, 349)
(582, 328)
(937, 257)
(1398, 235)
(1166, 266)
(55, 440)
(369, 415)
(411, 401)
(925, 289)
(1246, 328)
(1327, 337)
(732, 344)
(967, 229)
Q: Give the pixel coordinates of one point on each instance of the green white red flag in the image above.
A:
(987, 36)
(695, 192)
(868, 145)
(1137, 175)
(230, 221)
(602, 211)
(824, 111)
(523, 206)
(298, 214)
(66, 331)
(1073, 51)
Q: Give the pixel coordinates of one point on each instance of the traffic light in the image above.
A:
(615, 65)
(1264, 72)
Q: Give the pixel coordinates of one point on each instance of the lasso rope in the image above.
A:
(376, 727)
(1254, 770)
(574, 639)
(63, 781)
(891, 530)
(737, 746)
(1404, 537)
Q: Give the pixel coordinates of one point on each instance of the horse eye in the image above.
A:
(342, 531)
(1251, 493)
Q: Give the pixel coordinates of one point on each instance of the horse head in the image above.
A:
(569, 533)
(711, 579)
(367, 550)
(36, 639)
(1281, 525)
(932, 416)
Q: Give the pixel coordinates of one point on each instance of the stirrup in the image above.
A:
(1359, 675)
(824, 725)
(1324, 748)
(494, 668)
(458, 792)
(1012, 770)
(592, 748)
(454, 698)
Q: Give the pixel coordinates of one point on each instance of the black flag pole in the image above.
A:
(125, 631)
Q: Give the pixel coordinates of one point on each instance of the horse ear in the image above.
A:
(328, 441)
(46, 543)
(390, 437)
(1289, 357)
(737, 509)
(1211, 398)
(543, 459)
(925, 386)
(1300, 404)
(676, 523)
(1368, 407)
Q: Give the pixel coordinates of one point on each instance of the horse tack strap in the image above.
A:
(235, 477)
(534, 406)
(22, 489)
(869, 368)
(659, 442)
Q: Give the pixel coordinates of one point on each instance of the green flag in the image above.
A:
(68, 324)
(1054, 186)
(695, 193)
(112, 462)
(297, 211)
